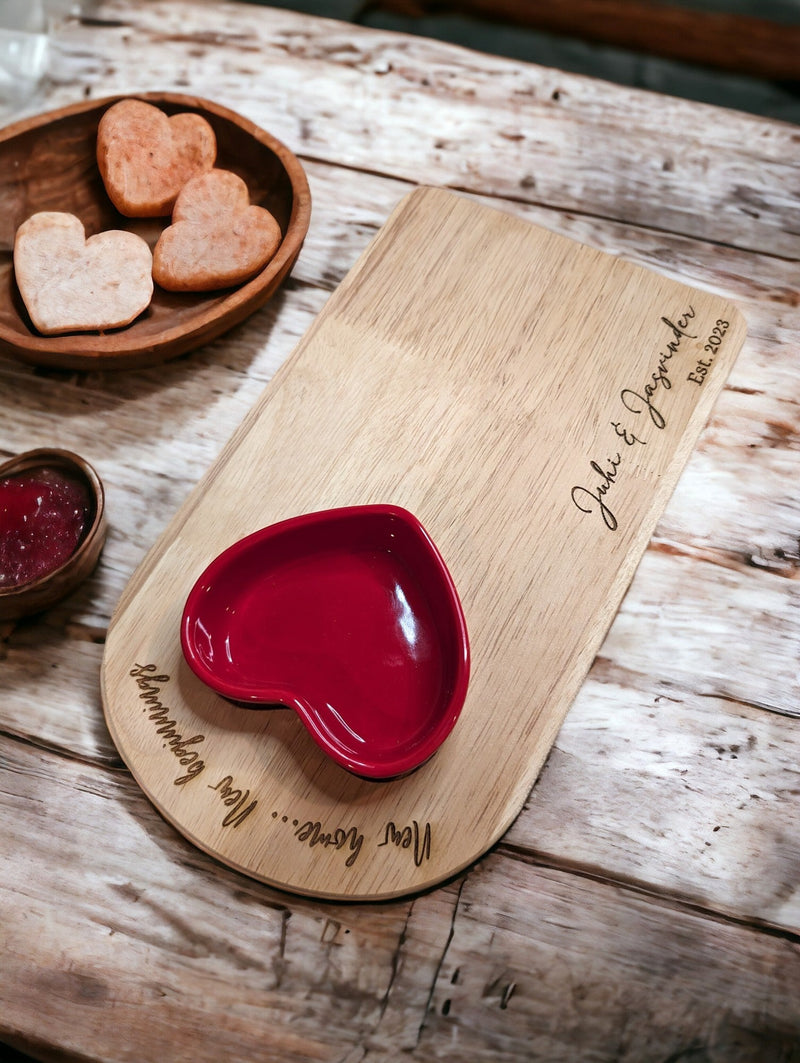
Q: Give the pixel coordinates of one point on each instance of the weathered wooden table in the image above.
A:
(646, 903)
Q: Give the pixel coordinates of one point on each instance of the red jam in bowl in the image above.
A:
(44, 515)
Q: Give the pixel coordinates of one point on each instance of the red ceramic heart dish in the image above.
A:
(348, 616)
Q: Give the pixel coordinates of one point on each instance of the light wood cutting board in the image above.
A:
(532, 401)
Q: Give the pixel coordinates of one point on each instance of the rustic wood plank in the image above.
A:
(647, 764)
(543, 965)
(660, 784)
(642, 754)
(725, 40)
(459, 118)
(688, 605)
(473, 971)
(53, 694)
(219, 384)
(222, 966)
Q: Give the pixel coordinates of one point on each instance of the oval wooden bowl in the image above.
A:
(37, 595)
(49, 163)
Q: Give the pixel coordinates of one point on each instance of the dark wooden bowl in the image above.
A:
(49, 163)
(39, 594)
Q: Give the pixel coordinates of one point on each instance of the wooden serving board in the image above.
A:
(533, 402)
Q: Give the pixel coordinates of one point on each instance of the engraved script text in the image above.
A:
(150, 684)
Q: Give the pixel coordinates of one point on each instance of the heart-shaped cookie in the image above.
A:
(71, 284)
(145, 158)
(217, 237)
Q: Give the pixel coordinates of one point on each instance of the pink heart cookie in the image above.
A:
(145, 158)
(71, 284)
(217, 237)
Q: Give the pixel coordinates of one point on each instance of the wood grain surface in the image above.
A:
(645, 904)
(532, 401)
(727, 39)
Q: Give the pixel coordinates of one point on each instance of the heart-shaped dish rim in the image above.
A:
(363, 763)
(205, 315)
(37, 595)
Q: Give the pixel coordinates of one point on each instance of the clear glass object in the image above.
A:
(26, 27)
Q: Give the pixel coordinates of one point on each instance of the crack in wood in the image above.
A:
(665, 898)
(440, 963)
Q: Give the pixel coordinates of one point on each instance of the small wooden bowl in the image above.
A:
(33, 597)
(49, 163)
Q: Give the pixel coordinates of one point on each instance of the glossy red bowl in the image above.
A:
(349, 617)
